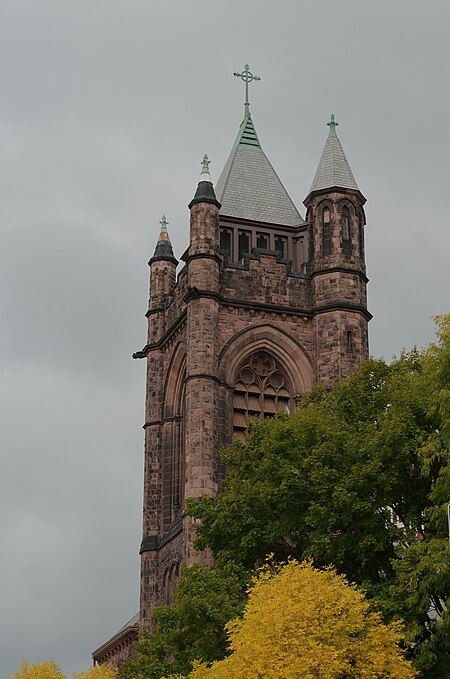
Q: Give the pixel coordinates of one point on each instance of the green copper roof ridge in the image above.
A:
(242, 128)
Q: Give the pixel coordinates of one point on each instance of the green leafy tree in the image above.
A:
(325, 483)
(420, 592)
(194, 626)
(359, 478)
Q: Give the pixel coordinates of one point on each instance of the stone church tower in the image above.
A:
(266, 305)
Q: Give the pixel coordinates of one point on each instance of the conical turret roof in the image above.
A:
(333, 169)
(205, 189)
(249, 187)
(163, 249)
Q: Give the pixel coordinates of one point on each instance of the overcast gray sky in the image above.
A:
(106, 109)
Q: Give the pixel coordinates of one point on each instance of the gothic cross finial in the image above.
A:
(163, 223)
(205, 164)
(332, 125)
(247, 77)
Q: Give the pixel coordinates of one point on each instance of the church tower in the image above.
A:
(266, 305)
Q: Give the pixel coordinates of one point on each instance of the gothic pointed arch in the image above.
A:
(174, 434)
(267, 370)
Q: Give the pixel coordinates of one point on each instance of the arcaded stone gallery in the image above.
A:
(265, 305)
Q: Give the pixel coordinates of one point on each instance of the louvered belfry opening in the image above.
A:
(262, 389)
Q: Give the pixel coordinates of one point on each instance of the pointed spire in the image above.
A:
(205, 190)
(163, 249)
(333, 169)
(249, 187)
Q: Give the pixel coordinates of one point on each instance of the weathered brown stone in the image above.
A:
(311, 317)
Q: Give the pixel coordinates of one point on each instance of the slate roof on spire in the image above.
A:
(249, 187)
(333, 169)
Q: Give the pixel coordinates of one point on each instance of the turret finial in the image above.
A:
(205, 190)
(163, 223)
(163, 249)
(205, 175)
(247, 77)
(205, 164)
(332, 125)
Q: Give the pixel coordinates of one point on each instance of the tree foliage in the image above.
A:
(97, 672)
(359, 478)
(302, 622)
(50, 670)
(194, 626)
(41, 670)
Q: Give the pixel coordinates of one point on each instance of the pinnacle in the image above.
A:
(205, 189)
(333, 169)
(163, 249)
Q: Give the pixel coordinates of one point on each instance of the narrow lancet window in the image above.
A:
(326, 232)
(280, 246)
(262, 241)
(225, 241)
(346, 239)
(243, 244)
(361, 236)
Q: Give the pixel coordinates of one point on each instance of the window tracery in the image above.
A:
(262, 389)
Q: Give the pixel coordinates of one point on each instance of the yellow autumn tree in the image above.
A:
(50, 670)
(41, 670)
(304, 623)
(97, 672)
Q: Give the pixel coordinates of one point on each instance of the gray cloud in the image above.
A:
(106, 109)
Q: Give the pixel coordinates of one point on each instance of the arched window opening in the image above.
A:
(361, 236)
(280, 246)
(326, 231)
(179, 450)
(346, 239)
(243, 244)
(173, 463)
(262, 241)
(225, 241)
(262, 389)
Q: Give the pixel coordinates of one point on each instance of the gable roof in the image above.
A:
(249, 187)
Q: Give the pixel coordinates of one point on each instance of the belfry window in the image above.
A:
(243, 244)
(262, 241)
(262, 389)
(280, 246)
(326, 232)
(225, 241)
(346, 239)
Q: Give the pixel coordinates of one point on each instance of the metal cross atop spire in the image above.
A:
(247, 77)
(205, 164)
(164, 223)
(332, 125)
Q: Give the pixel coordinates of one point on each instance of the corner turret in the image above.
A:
(163, 268)
(204, 234)
(336, 218)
